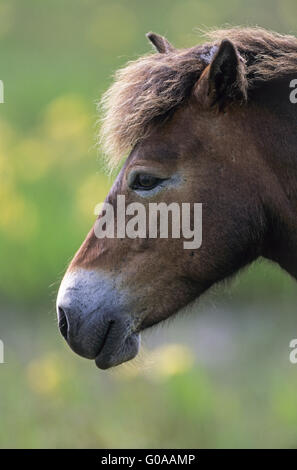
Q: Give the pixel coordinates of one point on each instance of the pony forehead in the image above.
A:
(148, 90)
(144, 92)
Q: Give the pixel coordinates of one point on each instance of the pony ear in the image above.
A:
(160, 43)
(224, 79)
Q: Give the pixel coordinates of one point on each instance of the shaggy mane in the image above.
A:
(150, 88)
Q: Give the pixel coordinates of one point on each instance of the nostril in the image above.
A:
(63, 323)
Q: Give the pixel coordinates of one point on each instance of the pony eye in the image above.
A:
(145, 181)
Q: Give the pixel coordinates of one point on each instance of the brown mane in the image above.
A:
(153, 86)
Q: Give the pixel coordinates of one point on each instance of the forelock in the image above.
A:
(148, 90)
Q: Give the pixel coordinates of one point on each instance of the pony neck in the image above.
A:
(278, 135)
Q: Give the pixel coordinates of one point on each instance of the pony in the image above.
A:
(212, 124)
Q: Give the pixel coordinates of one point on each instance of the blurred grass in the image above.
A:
(168, 398)
(56, 59)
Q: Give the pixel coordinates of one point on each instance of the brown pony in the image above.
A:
(214, 124)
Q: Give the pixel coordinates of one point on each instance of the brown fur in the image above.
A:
(155, 85)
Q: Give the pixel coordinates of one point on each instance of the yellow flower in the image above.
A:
(158, 364)
(18, 216)
(33, 159)
(67, 118)
(43, 375)
(92, 192)
(172, 359)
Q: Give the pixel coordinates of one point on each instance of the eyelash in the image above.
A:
(136, 184)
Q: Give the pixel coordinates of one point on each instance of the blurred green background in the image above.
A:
(220, 375)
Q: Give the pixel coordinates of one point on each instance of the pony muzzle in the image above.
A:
(93, 320)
